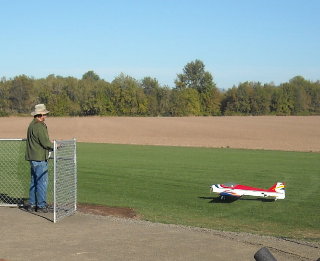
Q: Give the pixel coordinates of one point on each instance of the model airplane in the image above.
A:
(277, 191)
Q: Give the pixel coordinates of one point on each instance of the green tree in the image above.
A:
(261, 99)
(185, 102)
(95, 98)
(211, 102)
(158, 97)
(21, 94)
(244, 93)
(229, 102)
(164, 95)
(90, 75)
(196, 77)
(283, 100)
(52, 92)
(59, 105)
(314, 93)
(249, 98)
(151, 90)
(4, 97)
(238, 100)
(131, 99)
(302, 99)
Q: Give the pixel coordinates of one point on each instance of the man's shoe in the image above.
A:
(30, 208)
(42, 210)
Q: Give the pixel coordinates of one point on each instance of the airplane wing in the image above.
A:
(229, 194)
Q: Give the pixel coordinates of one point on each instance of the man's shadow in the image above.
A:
(48, 215)
(22, 205)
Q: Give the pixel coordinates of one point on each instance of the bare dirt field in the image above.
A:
(117, 234)
(266, 132)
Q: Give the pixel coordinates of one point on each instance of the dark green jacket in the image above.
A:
(38, 143)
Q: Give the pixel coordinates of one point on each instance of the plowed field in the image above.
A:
(266, 132)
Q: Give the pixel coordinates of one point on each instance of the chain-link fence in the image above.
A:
(14, 181)
(62, 177)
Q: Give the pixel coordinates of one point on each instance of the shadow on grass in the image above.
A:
(220, 199)
(227, 200)
(6, 199)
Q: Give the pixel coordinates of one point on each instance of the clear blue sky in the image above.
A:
(237, 40)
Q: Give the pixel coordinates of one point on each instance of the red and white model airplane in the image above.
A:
(277, 191)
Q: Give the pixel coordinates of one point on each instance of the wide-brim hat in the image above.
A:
(39, 109)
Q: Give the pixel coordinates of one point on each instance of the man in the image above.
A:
(37, 151)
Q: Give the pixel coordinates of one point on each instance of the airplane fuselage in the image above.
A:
(234, 190)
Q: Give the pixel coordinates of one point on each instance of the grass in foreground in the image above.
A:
(171, 185)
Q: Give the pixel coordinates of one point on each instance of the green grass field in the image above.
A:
(171, 185)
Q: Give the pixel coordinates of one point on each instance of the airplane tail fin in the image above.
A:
(278, 187)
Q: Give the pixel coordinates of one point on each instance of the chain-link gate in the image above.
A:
(62, 177)
(65, 179)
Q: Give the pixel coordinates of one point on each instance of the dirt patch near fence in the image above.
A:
(107, 211)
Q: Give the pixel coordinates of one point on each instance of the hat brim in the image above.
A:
(39, 112)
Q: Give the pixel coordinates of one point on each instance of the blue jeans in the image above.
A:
(38, 183)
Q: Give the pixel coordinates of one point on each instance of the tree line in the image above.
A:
(194, 94)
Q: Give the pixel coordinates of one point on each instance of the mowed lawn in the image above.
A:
(171, 185)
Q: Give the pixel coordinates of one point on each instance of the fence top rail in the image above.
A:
(23, 139)
(70, 140)
(12, 139)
